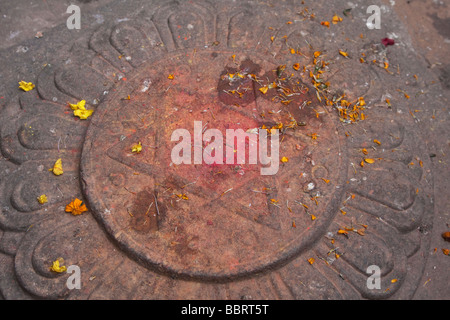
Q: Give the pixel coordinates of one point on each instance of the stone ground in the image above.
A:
(236, 234)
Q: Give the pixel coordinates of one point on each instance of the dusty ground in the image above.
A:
(428, 23)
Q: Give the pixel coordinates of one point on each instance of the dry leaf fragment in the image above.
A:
(42, 199)
(57, 266)
(369, 160)
(26, 86)
(57, 168)
(280, 69)
(76, 207)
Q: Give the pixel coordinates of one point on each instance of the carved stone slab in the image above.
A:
(156, 230)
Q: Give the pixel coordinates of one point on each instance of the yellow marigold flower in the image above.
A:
(76, 207)
(42, 199)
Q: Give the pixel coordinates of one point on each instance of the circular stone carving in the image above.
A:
(212, 221)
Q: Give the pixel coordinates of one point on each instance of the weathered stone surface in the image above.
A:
(238, 233)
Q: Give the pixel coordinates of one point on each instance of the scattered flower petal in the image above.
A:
(79, 105)
(336, 19)
(343, 53)
(387, 42)
(57, 168)
(26, 86)
(137, 148)
(446, 236)
(57, 266)
(264, 89)
(79, 110)
(83, 114)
